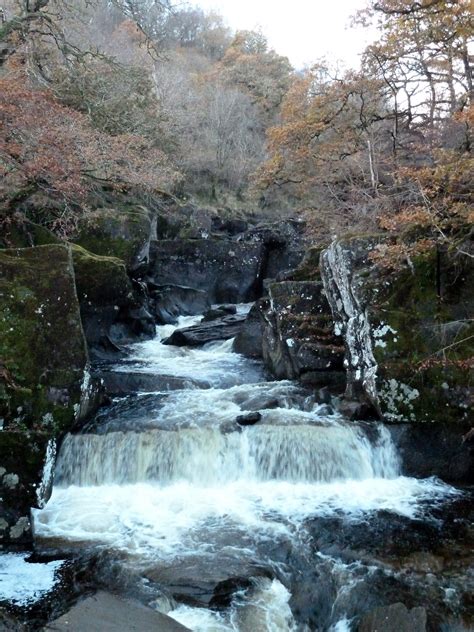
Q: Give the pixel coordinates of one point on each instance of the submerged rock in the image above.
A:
(219, 312)
(250, 419)
(116, 383)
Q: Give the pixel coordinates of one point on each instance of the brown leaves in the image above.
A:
(50, 147)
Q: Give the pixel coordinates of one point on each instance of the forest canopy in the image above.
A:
(142, 93)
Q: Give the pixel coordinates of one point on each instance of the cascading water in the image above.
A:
(170, 480)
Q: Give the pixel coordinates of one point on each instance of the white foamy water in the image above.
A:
(265, 607)
(206, 456)
(163, 521)
(214, 362)
(22, 582)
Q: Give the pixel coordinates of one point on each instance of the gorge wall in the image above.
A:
(378, 344)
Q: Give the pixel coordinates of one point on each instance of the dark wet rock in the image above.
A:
(196, 582)
(249, 341)
(197, 335)
(122, 233)
(250, 419)
(435, 449)
(356, 411)
(230, 227)
(106, 349)
(383, 557)
(117, 383)
(9, 623)
(171, 301)
(226, 590)
(219, 312)
(284, 244)
(324, 395)
(105, 612)
(394, 618)
(298, 338)
(227, 270)
(261, 403)
(113, 306)
(45, 386)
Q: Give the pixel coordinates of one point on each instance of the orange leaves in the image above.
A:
(52, 147)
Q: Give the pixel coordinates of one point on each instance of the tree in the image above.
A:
(48, 148)
(252, 67)
(328, 151)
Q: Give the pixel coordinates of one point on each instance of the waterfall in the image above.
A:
(206, 456)
(351, 320)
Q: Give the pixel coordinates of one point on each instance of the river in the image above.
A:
(185, 498)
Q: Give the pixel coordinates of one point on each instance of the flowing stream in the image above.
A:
(171, 483)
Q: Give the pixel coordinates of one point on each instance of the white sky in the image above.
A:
(303, 30)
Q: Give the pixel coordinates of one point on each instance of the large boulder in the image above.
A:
(124, 233)
(229, 271)
(394, 618)
(105, 612)
(45, 385)
(170, 301)
(113, 308)
(24, 234)
(249, 340)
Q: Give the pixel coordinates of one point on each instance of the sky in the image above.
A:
(303, 30)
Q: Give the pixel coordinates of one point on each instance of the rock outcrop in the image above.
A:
(125, 234)
(45, 385)
(298, 337)
(114, 308)
(228, 271)
(219, 329)
(407, 332)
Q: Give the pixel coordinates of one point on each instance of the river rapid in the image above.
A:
(241, 528)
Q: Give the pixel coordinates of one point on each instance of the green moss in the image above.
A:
(25, 234)
(100, 280)
(422, 339)
(116, 233)
(43, 349)
(308, 270)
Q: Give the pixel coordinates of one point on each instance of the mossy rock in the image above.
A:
(122, 233)
(423, 334)
(24, 234)
(100, 280)
(43, 352)
(309, 270)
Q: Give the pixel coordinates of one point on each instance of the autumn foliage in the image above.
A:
(50, 148)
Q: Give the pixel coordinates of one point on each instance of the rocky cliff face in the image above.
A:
(396, 343)
(407, 333)
(45, 385)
